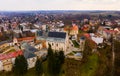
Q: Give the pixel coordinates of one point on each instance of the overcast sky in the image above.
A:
(59, 5)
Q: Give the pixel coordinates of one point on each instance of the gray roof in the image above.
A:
(51, 36)
(39, 33)
(29, 50)
(7, 41)
(28, 47)
(28, 54)
(57, 34)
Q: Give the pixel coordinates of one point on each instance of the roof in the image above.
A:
(7, 41)
(29, 50)
(39, 33)
(87, 35)
(82, 38)
(28, 54)
(10, 55)
(75, 27)
(97, 40)
(110, 31)
(57, 34)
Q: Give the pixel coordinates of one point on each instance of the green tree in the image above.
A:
(20, 66)
(61, 57)
(55, 61)
(50, 60)
(38, 68)
(58, 61)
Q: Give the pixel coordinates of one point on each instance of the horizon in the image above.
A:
(60, 10)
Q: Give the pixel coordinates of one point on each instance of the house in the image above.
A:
(72, 30)
(30, 54)
(86, 27)
(26, 39)
(31, 58)
(7, 60)
(106, 32)
(118, 30)
(97, 40)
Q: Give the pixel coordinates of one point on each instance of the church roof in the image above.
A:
(57, 34)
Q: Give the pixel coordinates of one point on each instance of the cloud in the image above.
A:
(59, 4)
(99, 0)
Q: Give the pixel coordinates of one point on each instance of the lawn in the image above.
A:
(90, 67)
(75, 44)
(12, 50)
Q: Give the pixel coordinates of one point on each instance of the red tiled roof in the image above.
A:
(10, 55)
(110, 31)
(75, 27)
(87, 35)
(26, 38)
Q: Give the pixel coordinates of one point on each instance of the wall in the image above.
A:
(31, 62)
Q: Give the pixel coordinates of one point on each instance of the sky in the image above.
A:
(21, 5)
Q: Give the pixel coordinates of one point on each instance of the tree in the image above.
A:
(2, 29)
(55, 61)
(58, 61)
(61, 57)
(50, 60)
(38, 68)
(20, 66)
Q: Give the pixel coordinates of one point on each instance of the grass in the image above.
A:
(71, 54)
(75, 44)
(90, 67)
(5, 48)
(12, 50)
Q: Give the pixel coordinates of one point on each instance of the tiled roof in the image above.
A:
(29, 50)
(110, 31)
(10, 55)
(28, 54)
(26, 38)
(75, 27)
(7, 41)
